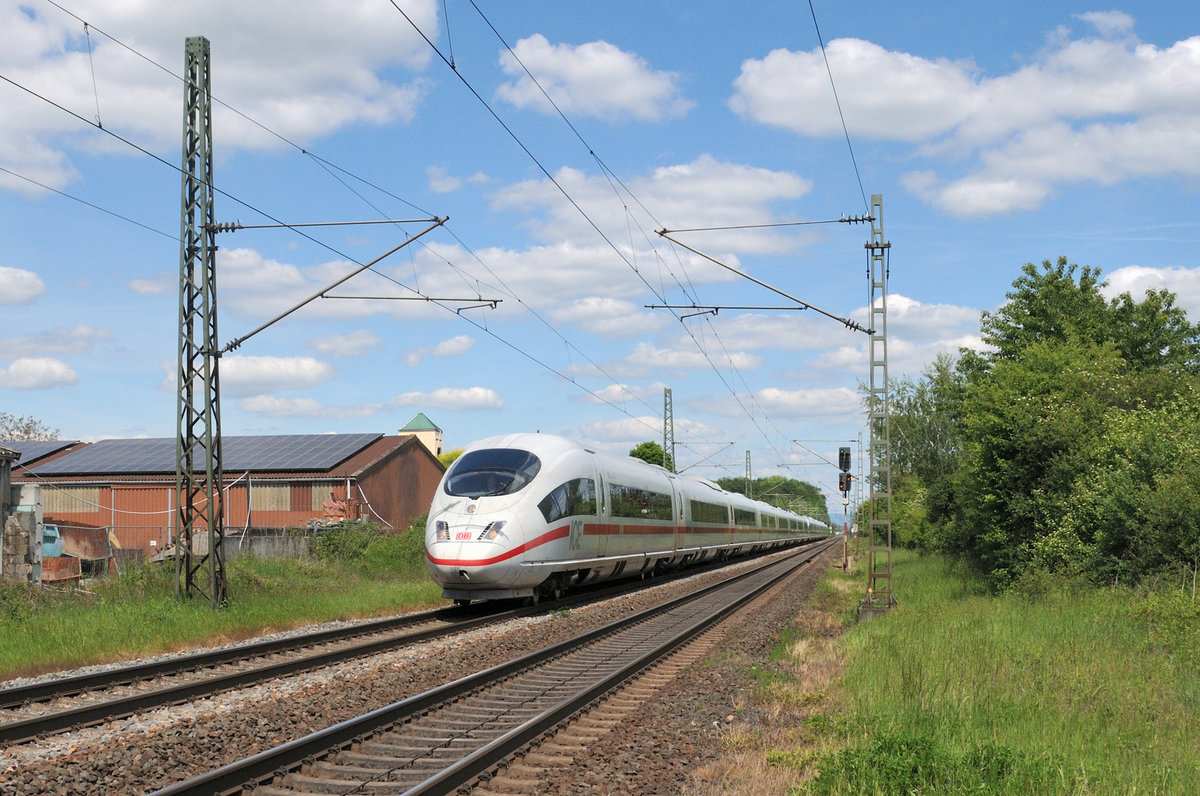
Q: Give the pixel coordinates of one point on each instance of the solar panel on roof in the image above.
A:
(292, 451)
(34, 449)
(257, 454)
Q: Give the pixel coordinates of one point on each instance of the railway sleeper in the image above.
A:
(394, 745)
(303, 783)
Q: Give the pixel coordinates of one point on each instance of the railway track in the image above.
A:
(442, 739)
(33, 710)
(46, 707)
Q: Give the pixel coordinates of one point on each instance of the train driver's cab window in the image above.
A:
(570, 500)
(492, 471)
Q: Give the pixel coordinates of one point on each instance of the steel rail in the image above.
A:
(23, 730)
(86, 715)
(260, 768)
(66, 686)
(482, 760)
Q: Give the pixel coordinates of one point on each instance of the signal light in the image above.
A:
(844, 459)
(844, 481)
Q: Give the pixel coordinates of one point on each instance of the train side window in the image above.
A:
(570, 500)
(709, 512)
(744, 518)
(635, 503)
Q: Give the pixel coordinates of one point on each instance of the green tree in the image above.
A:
(1055, 305)
(448, 458)
(1135, 510)
(925, 446)
(785, 493)
(1065, 371)
(1029, 430)
(25, 428)
(1050, 305)
(650, 451)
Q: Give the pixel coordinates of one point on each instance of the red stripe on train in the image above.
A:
(548, 536)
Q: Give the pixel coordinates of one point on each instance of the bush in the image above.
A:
(400, 554)
(347, 542)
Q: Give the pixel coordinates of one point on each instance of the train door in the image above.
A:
(678, 524)
(604, 525)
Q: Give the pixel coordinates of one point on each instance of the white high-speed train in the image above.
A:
(532, 515)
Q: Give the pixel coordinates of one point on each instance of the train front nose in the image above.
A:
(468, 551)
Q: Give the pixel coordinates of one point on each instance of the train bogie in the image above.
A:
(532, 515)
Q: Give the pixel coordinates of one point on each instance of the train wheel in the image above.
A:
(550, 590)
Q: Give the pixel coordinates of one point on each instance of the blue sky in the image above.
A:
(996, 134)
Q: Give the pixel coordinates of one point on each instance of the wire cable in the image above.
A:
(838, 102)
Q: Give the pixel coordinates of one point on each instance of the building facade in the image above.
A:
(127, 487)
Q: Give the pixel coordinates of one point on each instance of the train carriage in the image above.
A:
(531, 515)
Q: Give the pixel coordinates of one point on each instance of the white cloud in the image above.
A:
(609, 317)
(354, 344)
(18, 286)
(883, 94)
(253, 375)
(1102, 107)
(262, 65)
(1137, 279)
(160, 284)
(622, 435)
(440, 181)
(451, 398)
(704, 192)
(647, 359)
(36, 373)
(838, 404)
(60, 340)
(620, 394)
(302, 407)
(915, 320)
(258, 287)
(593, 79)
(454, 347)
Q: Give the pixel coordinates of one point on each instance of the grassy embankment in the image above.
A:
(358, 573)
(1061, 689)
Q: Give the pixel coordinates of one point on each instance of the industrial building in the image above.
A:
(126, 487)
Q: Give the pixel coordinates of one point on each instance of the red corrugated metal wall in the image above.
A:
(142, 515)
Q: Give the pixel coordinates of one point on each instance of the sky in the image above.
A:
(558, 139)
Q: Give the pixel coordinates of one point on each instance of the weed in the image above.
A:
(792, 758)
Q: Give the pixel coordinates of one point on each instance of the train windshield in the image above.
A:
(494, 471)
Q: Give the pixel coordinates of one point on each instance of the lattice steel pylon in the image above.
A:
(879, 558)
(200, 507)
(668, 431)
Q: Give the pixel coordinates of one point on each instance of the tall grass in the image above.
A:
(1057, 689)
(357, 572)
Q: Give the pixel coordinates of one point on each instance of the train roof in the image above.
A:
(547, 445)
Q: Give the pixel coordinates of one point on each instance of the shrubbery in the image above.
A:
(371, 548)
(1068, 446)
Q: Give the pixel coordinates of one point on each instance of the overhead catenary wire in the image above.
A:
(331, 168)
(328, 247)
(837, 101)
(608, 174)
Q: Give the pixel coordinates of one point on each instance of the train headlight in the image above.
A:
(493, 530)
(441, 530)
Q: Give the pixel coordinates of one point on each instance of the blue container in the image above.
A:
(53, 544)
